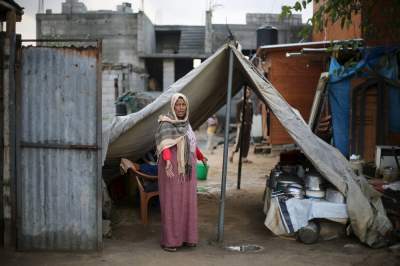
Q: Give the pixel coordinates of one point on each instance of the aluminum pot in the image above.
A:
(283, 184)
(333, 195)
(295, 190)
(274, 176)
(315, 194)
(309, 234)
(313, 182)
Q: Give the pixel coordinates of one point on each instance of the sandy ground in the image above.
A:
(135, 244)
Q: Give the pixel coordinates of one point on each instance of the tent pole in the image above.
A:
(241, 138)
(225, 159)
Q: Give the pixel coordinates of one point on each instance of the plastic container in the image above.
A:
(201, 171)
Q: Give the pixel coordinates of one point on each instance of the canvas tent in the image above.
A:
(133, 135)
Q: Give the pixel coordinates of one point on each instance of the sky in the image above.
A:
(183, 12)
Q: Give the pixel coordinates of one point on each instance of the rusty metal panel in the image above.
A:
(9, 145)
(2, 41)
(296, 79)
(58, 173)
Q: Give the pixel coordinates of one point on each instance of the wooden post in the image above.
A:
(11, 21)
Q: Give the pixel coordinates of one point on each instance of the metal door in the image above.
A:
(59, 154)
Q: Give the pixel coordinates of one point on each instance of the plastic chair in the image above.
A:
(146, 192)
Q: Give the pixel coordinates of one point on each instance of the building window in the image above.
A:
(154, 68)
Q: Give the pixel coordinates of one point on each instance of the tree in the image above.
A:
(332, 11)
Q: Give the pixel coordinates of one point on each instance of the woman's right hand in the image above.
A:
(168, 169)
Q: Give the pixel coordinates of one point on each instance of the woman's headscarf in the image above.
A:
(174, 131)
(174, 99)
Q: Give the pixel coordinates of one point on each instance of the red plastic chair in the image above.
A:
(132, 169)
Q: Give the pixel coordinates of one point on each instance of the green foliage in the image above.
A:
(332, 11)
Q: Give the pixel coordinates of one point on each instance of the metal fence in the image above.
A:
(59, 156)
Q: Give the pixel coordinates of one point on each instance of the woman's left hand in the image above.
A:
(205, 160)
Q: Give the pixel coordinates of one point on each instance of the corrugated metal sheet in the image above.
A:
(58, 165)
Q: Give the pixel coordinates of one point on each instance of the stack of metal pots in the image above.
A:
(314, 186)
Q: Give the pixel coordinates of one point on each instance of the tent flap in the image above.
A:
(367, 215)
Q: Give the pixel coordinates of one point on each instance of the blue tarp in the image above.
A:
(381, 60)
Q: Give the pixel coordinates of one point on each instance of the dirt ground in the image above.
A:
(134, 244)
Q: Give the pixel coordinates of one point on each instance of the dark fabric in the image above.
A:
(148, 169)
(150, 186)
(339, 102)
(246, 130)
(381, 60)
(248, 116)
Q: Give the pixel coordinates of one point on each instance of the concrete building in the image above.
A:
(141, 56)
(124, 36)
(246, 34)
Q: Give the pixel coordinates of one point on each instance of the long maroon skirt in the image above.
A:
(178, 201)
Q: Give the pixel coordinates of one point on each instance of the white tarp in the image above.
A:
(133, 135)
(303, 210)
(288, 216)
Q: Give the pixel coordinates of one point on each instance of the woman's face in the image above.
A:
(180, 108)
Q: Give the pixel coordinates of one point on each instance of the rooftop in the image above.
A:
(6, 5)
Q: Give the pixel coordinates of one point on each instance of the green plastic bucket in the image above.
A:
(201, 171)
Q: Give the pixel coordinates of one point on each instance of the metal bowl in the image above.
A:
(295, 190)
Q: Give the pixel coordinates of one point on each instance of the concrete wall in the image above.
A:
(124, 36)
(108, 94)
(168, 73)
(73, 6)
(146, 40)
(124, 75)
(246, 34)
(261, 19)
(287, 28)
(118, 32)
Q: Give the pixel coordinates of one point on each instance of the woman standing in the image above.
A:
(177, 150)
